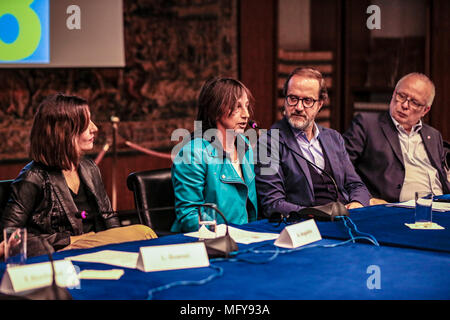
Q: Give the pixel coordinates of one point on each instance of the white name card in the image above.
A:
(171, 257)
(33, 276)
(299, 234)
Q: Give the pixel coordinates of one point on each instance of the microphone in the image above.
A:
(324, 212)
(253, 124)
(82, 215)
(220, 246)
(53, 292)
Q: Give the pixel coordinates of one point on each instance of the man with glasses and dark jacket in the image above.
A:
(394, 152)
(312, 166)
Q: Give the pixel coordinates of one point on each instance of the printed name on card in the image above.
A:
(299, 234)
(172, 257)
(33, 276)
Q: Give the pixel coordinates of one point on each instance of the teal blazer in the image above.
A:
(202, 173)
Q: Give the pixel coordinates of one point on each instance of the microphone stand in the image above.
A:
(220, 246)
(53, 292)
(322, 212)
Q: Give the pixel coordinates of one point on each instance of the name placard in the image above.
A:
(33, 276)
(172, 257)
(299, 234)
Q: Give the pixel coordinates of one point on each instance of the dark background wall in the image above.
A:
(171, 48)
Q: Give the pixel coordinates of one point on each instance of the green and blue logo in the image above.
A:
(24, 31)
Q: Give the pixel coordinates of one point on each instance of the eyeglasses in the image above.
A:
(401, 97)
(292, 101)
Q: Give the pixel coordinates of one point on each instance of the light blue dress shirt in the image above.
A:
(311, 150)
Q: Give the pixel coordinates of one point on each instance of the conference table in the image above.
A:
(389, 262)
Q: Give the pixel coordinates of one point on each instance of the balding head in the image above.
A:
(423, 78)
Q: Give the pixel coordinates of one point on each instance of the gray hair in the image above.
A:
(423, 78)
(310, 73)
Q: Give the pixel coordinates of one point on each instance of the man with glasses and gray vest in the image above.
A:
(394, 152)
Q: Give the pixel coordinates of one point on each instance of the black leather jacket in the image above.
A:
(40, 200)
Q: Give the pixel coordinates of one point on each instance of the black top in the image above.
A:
(41, 201)
(324, 189)
(85, 203)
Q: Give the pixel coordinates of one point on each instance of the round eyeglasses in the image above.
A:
(292, 101)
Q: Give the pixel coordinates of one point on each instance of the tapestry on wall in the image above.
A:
(171, 48)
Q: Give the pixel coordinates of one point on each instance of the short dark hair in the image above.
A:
(218, 97)
(58, 121)
(312, 74)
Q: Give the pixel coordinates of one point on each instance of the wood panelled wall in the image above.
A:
(326, 35)
(258, 47)
(343, 31)
(440, 65)
(127, 164)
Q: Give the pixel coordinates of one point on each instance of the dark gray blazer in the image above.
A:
(289, 186)
(374, 148)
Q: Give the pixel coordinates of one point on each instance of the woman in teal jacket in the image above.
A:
(215, 164)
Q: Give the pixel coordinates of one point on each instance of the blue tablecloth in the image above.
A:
(387, 225)
(412, 264)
